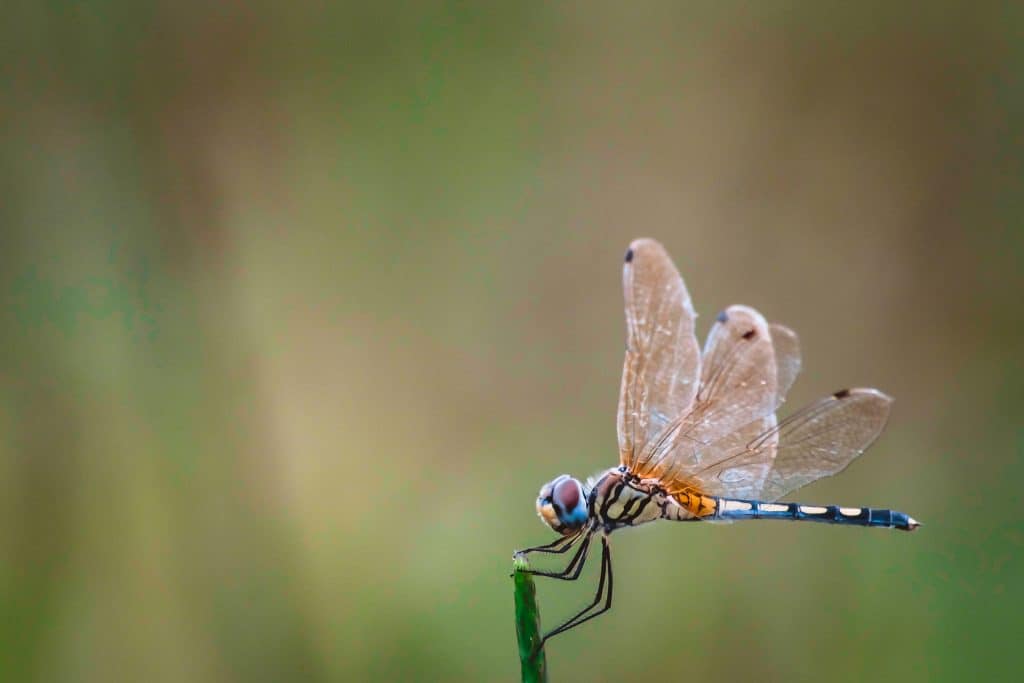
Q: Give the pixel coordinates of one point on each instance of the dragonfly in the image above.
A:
(698, 435)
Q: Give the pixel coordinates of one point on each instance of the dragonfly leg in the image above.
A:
(582, 616)
(573, 569)
(565, 542)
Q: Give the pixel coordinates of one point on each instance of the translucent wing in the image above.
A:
(738, 386)
(722, 475)
(818, 441)
(787, 359)
(662, 364)
(742, 477)
(824, 438)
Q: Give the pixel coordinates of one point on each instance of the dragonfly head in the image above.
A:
(562, 504)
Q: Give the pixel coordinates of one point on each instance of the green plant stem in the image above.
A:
(531, 651)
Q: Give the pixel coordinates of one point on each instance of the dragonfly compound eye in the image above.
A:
(570, 503)
(561, 504)
(567, 494)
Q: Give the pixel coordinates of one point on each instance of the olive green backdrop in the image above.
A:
(301, 303)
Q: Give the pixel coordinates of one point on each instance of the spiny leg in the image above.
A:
(606, 570)
(582, 616)
(565, 542)
(573, 569)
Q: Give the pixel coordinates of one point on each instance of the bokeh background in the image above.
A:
(302, 302)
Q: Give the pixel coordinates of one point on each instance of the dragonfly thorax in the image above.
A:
(562, 504)
(621, 499)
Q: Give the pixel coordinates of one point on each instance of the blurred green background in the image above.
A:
(302, 303)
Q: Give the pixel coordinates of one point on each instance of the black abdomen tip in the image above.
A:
(629, 255)
(842, 393)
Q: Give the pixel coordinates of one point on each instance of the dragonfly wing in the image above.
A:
(736, 472)
(738, 386)
(662, 364)
(823, 438)
(817, 441)
(729, 470)
(787, 359)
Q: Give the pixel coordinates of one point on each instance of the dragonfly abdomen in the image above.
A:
(729, 508)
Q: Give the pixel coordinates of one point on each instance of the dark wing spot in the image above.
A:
(750, 335)
(842, 393)
(721, 317)
(629, 255)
